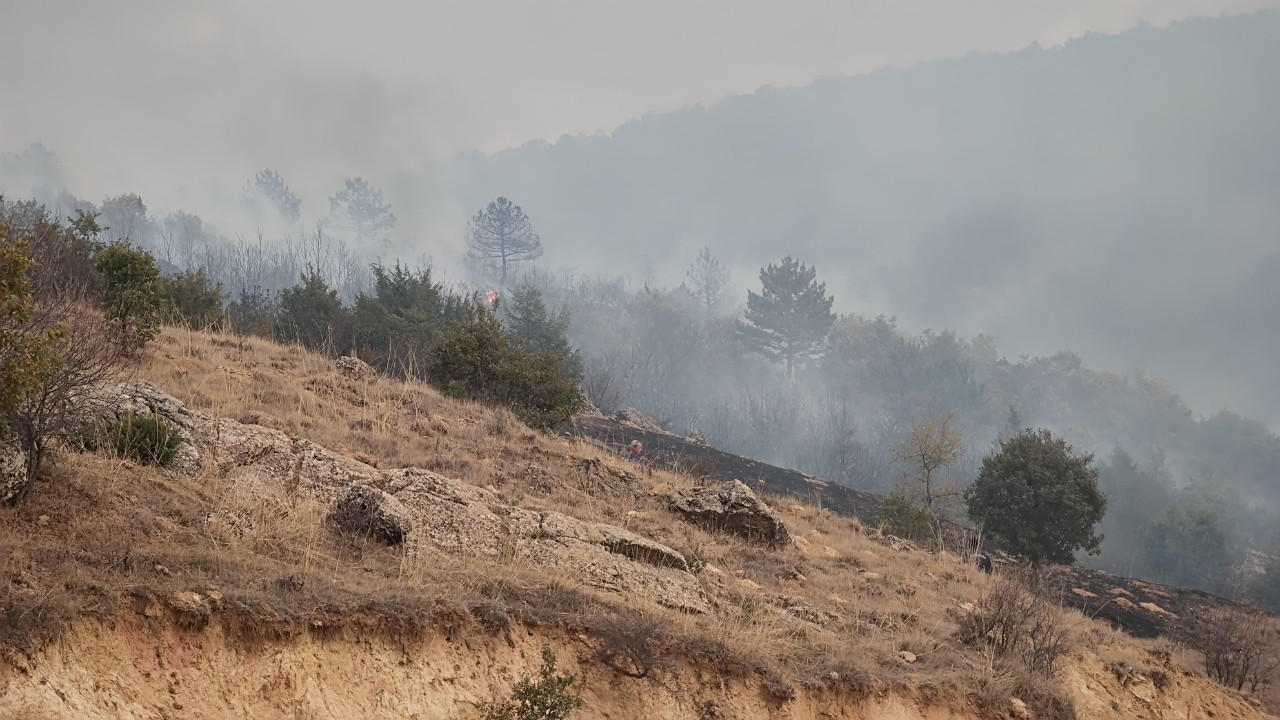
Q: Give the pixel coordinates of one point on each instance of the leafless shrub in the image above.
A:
(1016, 619)
(1239, 645)
(629, 643)
(605, 382)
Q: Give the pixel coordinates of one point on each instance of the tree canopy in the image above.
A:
(359, 208)
(500, 237)
(708, 280)
(1039, 499)
(790, 318)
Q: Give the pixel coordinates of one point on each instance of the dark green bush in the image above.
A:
(476, 360)
(904, 518)
(547, 698)
(147, 438)
(190, 297)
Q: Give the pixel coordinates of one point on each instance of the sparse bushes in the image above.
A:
(1015, 621)
(905, 519)
(475, 360)
(148, 438)
(547, 698)
(1240, 646)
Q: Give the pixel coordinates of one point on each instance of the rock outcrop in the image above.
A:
(414, 507)
(369, 511)
(355, 368)
(733, 508)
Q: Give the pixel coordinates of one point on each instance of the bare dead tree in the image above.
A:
(1240, 646)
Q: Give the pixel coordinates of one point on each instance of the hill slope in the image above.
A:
(230, 585)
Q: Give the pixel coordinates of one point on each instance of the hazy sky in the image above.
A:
(165, 97)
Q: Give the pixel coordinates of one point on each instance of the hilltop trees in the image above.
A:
(708, 280)
(359, 208)
(1039, 499)
(790, 318)
(124, 217)
(500, 237)
(268, 191)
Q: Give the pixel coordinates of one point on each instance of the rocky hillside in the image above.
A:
(329, 544)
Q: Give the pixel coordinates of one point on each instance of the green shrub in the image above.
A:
(148, 438)
(694, 559)
(899, 516)
(131, 293)
(189, 297)
(548, 698)
(475, 360)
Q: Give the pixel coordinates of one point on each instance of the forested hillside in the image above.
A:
(1115, 196)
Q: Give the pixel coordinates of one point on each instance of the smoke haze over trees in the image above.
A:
(1091, 231)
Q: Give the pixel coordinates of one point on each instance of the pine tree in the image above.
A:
(790, 318)
(359, 208)
(542, 331)
(500, 237)
(266, 190)
(709, 279)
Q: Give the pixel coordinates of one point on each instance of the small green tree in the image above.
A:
(1038, 499)
(149, 438)
(528, 320)
(311, 312)
(131, 293)
(547, 698)
(190, 298)
(932, 447)
(26, 357)
(393, 328)
(1186, 547)
(790, 318)
(901, 517)
(474, 359)
(255, 312)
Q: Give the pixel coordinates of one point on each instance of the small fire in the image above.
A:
(492, 296)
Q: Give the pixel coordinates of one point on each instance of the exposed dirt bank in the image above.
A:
(138, 667)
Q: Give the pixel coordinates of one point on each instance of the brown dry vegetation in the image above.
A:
(835, 609)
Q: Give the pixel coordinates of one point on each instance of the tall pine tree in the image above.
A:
(790, 318)
(501, 237)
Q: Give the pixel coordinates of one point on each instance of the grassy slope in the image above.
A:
(100, 532)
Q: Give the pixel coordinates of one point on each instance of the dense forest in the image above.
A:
(755, 295)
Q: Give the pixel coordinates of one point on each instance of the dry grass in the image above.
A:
(838, 608)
